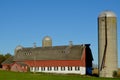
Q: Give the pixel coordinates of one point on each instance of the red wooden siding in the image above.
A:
(18, 68)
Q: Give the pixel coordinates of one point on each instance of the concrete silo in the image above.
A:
(107, 44)
(47, 41)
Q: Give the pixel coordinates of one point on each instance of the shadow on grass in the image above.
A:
(95, 75)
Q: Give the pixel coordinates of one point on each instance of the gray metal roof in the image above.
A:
(8, 61)
(50, 53)
(21, 63)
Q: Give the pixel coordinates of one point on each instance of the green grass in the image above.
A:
(7, 75)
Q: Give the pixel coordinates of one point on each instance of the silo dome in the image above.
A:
(47, 41)
(19, 47)
(47, 38)
(107, 14)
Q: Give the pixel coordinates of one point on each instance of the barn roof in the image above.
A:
(21, 63)
(8, 61)
(50, 53)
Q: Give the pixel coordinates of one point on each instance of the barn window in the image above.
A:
(31, 68)
(69, 68)
(77, 68)
(49, 68)
(37, 68)
(56, 68)
(62, 68)
(30, 53)
(62, 51)
(25, 53)
(42, 68)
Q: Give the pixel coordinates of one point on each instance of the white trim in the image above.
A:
(82, 70)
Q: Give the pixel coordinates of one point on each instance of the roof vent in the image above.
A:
(70, 43)
(34, 45)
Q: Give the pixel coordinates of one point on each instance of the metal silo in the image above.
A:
(107, 44)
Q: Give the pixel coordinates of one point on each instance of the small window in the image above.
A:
(62, 68)
(25, 53)
(30, 53)
(69, 68)
(31, 68)
(56, 68)
(62, 51)
(42, 68)
(37, 68)
(77, 68)
(49, 68)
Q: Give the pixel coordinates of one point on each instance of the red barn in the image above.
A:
(75, 59)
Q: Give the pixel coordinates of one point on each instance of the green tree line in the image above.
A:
(4, 57)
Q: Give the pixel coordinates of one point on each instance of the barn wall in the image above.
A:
(64, 70)
(4, 67)
(18, 68)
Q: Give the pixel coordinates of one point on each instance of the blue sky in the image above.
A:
(23, 22)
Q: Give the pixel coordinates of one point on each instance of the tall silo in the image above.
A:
(107, 44)
(47, 41)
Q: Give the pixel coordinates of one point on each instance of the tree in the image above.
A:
(2, 58)
(7, 55)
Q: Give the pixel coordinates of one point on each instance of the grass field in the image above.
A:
(7, 75)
